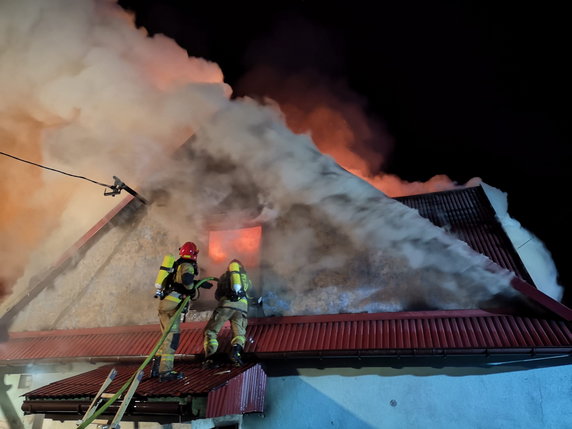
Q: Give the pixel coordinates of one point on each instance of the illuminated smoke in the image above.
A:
(91, 94)
(84, 92)
(336, 118)
(327, 219)
(534, 254)
(329, 111)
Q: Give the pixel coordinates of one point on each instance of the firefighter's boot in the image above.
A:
(155, 366)
(236, 355)
(171, 375)
(209, 364)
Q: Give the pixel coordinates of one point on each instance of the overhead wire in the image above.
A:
(56, 170)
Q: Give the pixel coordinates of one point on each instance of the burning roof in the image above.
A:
(116, 262)
(92, 96)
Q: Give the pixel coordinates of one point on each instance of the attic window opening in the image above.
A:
(242, 244)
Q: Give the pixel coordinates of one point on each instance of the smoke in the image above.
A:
(333, 231)
(329, 111)
(84, 92)
(90, 93)
(531, 250)
(337, 118)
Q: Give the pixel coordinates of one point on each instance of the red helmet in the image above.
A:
(189, 250)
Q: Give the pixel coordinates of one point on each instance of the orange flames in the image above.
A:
(336, 118)
(242, 244)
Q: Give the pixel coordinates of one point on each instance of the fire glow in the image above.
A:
(242, 244)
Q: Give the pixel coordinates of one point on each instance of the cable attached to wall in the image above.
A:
(114, 189)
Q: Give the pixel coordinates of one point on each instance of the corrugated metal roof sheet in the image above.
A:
(242, 394)
(463, 331)
(197, 381)
(229, 390)
(468, 214)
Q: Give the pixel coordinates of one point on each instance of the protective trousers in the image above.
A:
(238, 323)
(167, 309)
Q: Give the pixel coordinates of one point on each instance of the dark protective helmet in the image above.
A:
(189, 250)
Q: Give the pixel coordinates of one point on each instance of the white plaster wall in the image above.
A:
(496, 397)
(503, 397)
(41, 375)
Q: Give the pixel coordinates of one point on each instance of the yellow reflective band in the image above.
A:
(238, 337)
(172, 298)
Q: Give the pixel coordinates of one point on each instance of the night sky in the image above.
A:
(463, 88)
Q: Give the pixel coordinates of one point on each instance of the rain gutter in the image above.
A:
(70, 409)
(318, 354)
(396, 353)
(88, 359)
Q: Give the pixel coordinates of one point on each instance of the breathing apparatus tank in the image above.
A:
(165, 269)
(236, 284)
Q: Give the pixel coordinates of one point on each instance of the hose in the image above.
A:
(143, 365)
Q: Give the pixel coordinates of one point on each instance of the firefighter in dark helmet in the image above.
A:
(231, 294)
(175, 286)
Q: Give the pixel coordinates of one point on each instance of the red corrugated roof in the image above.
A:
(197, 381)
(229, 390)
(468, 214)
(241, 394)
(463, 331)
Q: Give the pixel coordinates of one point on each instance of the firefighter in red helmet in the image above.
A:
(175, 286)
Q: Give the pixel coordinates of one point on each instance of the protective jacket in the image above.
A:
(229, 298)
(232, 297)
(182, 284)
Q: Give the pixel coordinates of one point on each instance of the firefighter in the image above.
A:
(176, 287)
(231, 294)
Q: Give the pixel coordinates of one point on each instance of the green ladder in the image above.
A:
(97, 408)
(102, 396)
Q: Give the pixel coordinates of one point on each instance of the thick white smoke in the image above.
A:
(410, 257)
(85, 92)
(90, 93)
(534, 254)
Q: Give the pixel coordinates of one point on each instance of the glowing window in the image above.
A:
(243, 244)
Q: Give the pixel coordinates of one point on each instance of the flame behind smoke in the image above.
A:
(243, 244)
(84, 92)
(81, 72)
(338, 122)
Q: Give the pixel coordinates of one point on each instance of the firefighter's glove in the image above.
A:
(185, 309)
(235, 296)
(192, 293)
(206, 285)
(255, 301)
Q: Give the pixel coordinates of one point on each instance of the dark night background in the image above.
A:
(466, 89)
